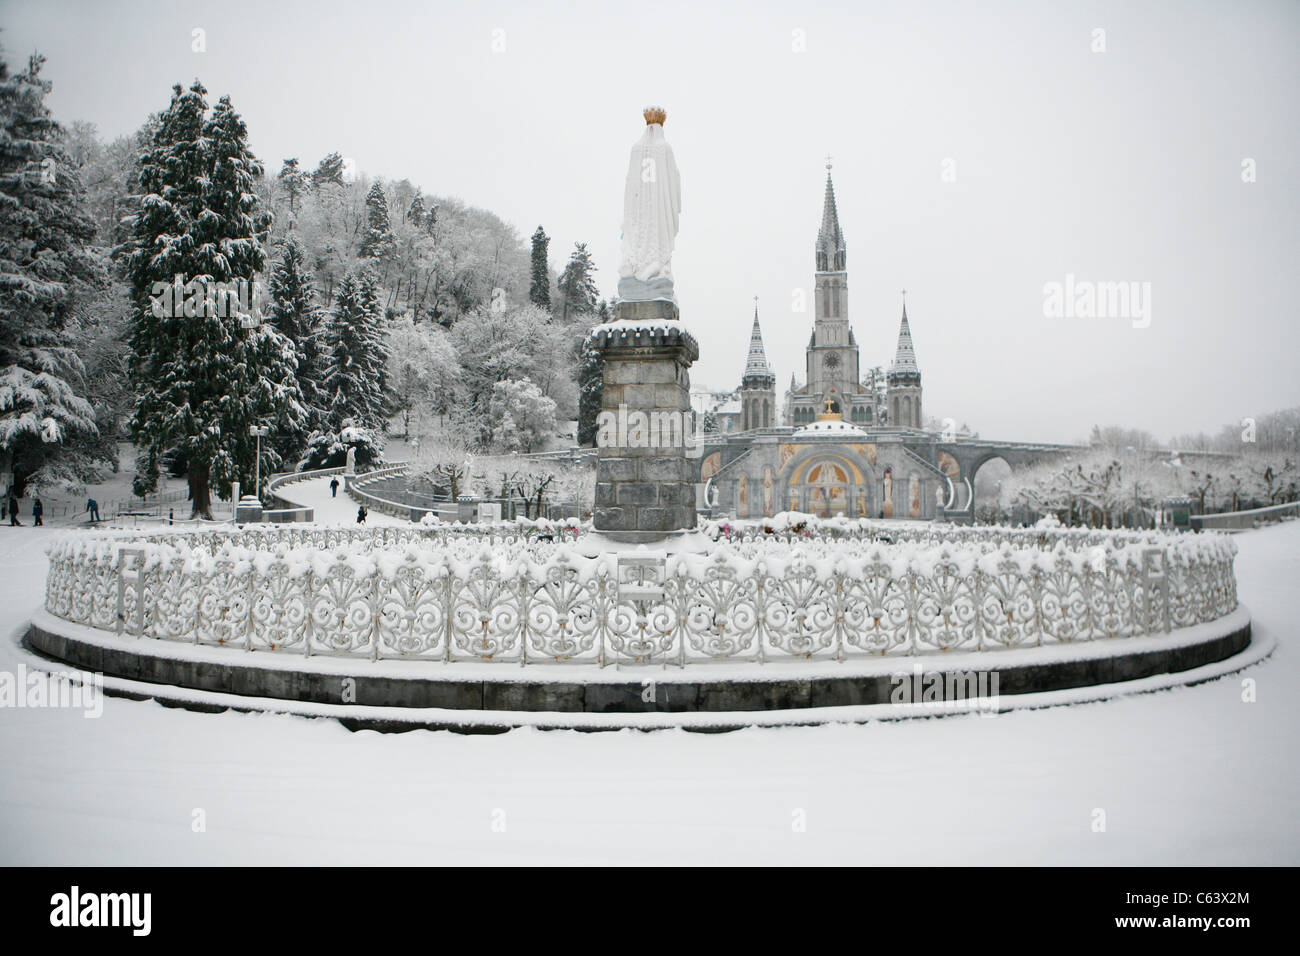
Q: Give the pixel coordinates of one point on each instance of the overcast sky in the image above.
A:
(1117, 166)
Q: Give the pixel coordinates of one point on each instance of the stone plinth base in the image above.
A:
(644, 481)
(248, 510)
(632, 291)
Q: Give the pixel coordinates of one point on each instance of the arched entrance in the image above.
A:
(986, 483)
(827, 485)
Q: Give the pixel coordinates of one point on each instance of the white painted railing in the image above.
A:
(1244, 520)
(528, 596)
(355, 486)
(292, 511)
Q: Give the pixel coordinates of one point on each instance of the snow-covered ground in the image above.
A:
(1189, 776)
(341, 510)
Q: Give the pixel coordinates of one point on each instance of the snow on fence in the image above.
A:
(520, 596)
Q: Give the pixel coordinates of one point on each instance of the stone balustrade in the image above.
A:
(541, 593)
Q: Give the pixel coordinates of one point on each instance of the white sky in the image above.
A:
(1115, 166)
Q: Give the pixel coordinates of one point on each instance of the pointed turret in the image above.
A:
(903, 381)
(758, 384)
(757, 361)
(905, 356)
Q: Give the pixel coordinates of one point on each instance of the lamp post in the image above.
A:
(259, 432)
(249, 508)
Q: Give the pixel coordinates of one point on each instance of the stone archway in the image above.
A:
(828, 483)
(827, 489)
(985, 481)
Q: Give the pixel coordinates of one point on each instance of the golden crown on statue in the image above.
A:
(654, 114)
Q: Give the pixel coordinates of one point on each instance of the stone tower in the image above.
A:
(757, 385)
(832, 373)
(903, 381)
(832, 354)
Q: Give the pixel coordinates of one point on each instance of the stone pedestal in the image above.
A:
(645, 486)
(248, 510)
(467, 509)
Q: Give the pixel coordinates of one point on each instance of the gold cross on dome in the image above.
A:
(828, 404)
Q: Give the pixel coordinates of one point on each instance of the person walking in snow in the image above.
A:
(38, 511)
(93, 507)
(334, 488)
(13, 512)
(361, 515)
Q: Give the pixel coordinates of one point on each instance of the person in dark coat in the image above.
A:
(38, 511)
(13, 512)
(93, 507)
(334, 488)
(361, 515)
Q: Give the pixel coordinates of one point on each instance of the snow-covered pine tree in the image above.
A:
(294, 313)
(577, 287)
(591, 382)
(356, 374)
(169, 201)
(294, 180)
(328, 170)
(539, 289)
(353, 386)
(342, 382)
(378, 241)
(416, 213)
(376, 357)
(203, 369)
(45, 261)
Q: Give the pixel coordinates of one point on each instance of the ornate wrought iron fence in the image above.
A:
(433, 594)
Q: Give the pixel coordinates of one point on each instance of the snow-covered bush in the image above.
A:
(330, 449)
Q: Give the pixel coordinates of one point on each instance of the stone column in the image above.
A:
(645, 487)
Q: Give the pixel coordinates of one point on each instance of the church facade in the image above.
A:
(848, 443)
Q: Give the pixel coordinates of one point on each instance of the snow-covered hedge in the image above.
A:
(418, 593)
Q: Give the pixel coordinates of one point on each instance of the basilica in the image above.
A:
(847, 443)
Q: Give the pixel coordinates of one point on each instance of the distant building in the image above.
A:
(838, 447)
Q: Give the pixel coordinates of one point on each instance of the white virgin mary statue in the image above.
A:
(652, 204)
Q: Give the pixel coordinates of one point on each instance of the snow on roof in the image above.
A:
(830, 429)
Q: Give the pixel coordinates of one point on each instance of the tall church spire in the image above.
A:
(831, 253)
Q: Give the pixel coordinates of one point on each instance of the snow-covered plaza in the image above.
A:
(1194, 775)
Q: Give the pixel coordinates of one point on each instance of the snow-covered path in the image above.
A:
(341, 510)
(1190, 776)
